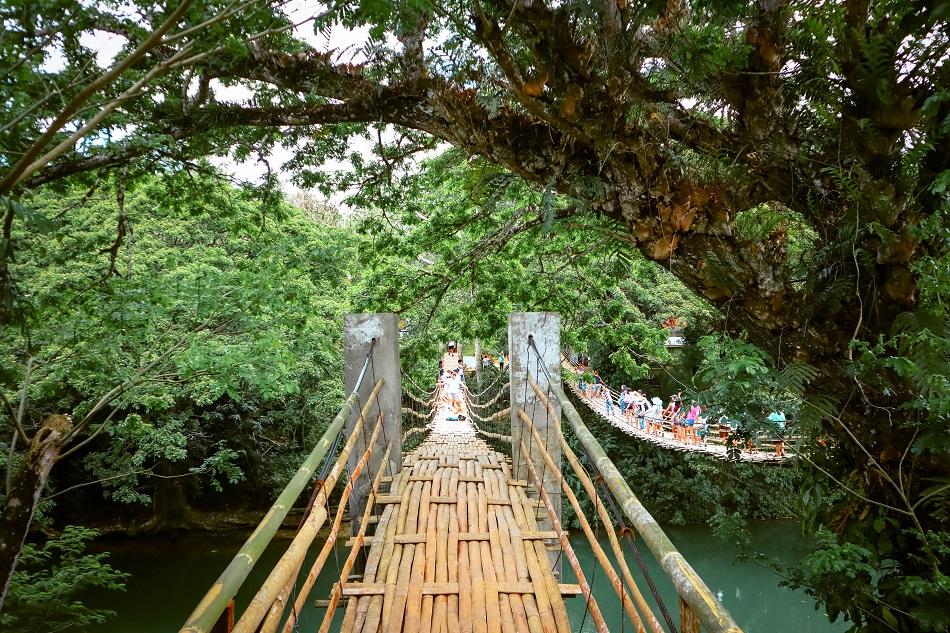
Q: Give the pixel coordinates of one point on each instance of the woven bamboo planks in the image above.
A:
(455, 549)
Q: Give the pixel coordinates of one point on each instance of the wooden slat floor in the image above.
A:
(457, 548)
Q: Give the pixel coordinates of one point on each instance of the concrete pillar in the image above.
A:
(360, 333)
(545, 328)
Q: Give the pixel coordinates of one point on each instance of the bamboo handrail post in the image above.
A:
(595, 613)
(607, 521)
(711, 613)
(215, 601)
(289, 564)
(599, 553)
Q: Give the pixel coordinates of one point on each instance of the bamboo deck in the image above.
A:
(457, 547)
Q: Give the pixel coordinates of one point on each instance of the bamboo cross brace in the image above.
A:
(599, 554)
(331, 538)
(215, 600)
(289, 564)
(277, 608)
(347, 565)
(605, 519)
(595, 613)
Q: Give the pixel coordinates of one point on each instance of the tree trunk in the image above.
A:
(25, 490)
(171, 509)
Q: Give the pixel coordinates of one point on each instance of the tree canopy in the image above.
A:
(787, 162)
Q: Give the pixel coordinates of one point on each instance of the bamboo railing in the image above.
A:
(623, 593)
(222, 592)
(698, 605)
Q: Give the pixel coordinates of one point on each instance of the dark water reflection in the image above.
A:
(749, 591)
(168, 578)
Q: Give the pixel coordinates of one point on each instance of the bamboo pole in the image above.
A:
(280, 602)
(369, 610)
(595, 614)
(324, 554)
(539, 601)
(644, 607)
(214, 602)
(596, 548)
(711, 613)
(351, 558)
(289, 564)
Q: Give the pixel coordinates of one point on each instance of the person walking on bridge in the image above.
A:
(654, 416)
(454, 389)
(608, 399)
(777, 418)
(690, 426)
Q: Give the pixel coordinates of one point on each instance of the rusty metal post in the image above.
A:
(226, 622)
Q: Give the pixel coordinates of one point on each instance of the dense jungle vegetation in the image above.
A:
(774, 173)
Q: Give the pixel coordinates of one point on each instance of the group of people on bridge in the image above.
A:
(450, 383)
(689, 424)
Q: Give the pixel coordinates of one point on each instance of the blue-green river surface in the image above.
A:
(167, 578)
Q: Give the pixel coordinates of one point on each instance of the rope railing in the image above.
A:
(490, 385)
(491, 419)
(431, 393)
(695, 597)
(414, 431)
(416, 414)
(220, 594)
(432, 397)
(491, 434)
(289, 564)
(423, 419)
(502, 414)
(503, 391)
(471, 399)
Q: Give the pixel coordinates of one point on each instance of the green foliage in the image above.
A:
(809, 140)
(48, 579)
(252, 295)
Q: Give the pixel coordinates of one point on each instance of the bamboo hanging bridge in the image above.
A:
(760, 448)
(454, 527)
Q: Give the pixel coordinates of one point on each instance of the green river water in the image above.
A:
(167, 578)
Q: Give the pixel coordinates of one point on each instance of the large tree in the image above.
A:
(786, 160)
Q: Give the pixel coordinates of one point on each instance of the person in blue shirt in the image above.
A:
(778, 419)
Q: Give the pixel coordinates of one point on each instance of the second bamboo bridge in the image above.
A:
(452, 527)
